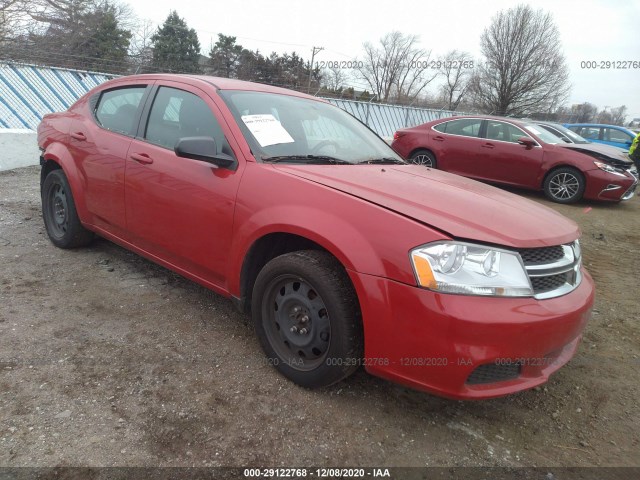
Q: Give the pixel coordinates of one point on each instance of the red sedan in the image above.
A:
(344, 254)
(518, 153)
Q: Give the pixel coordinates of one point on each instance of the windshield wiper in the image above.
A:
(383, 161)
(307, 159)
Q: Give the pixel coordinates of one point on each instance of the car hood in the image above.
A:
(604, 153)
(462, 208)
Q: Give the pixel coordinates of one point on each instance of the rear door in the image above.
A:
(99, 144)
(502, 159)
(178, 209)
(455, 143)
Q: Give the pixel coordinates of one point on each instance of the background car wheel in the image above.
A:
(59, 213)
(425, 158)
(307, 318)
(564, 185)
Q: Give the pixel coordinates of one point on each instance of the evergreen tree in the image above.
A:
(108, 44)
(225, 57)
(176, 47)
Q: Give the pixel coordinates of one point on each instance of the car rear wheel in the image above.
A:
(307, 318)
(425, 158)
(564, 185)
(59, 213)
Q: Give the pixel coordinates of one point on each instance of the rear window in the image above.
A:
(467, 127)
(116, 109)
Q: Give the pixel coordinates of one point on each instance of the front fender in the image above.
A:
(366, 238)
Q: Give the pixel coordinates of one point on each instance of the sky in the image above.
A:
(590, 30)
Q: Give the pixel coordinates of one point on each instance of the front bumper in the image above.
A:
(606, 186)
(436, 342)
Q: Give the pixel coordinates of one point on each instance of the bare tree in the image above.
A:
(619, 115)
(456, 67)
(398, 68)
(584, 113)
(525, 70)
(141, 46)
(13, 19)
(335, 78)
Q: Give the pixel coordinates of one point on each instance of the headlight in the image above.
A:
(609, 168)
(464, 268)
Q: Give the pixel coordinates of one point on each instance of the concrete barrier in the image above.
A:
(18, 148)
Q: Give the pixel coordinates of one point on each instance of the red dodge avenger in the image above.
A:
(344, 254)
(521, 154)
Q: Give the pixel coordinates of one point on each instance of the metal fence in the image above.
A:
(386, 119)
(28, 92)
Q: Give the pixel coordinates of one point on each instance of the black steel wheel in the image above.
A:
(564, 185)
(307, 318)
(59, 213)
(424, 158)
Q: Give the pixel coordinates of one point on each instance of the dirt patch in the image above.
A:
(107, 359)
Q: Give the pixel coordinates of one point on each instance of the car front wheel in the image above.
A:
(59, 213)
(307, 317)
(564, 185)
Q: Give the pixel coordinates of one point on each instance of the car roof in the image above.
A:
(618, 127)
(518, 121)
(545, 122)
(219, 83)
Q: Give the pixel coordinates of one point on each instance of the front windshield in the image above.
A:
(299, 130)
(544, 135)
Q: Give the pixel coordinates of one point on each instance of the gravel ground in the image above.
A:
(109, 360)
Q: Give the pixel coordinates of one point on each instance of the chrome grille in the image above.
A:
(553, 271)
(540, 256)
(550, 283)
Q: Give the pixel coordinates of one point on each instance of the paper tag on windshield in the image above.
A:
(267, 129)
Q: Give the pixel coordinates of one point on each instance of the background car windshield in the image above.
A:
(570, 134)
(543, 135)
(282, 125)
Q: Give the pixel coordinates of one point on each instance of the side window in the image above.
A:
(504, 132)
(441, 127)
(176, 114)
(590, 133)
(615, 135)
(116, 109)
(467, 127)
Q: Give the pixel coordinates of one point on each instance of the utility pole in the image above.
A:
(314, 50)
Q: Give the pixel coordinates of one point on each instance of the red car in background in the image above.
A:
(344, 254)
(517, 153)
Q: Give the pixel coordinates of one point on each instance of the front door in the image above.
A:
(502, 159)
(178, 209)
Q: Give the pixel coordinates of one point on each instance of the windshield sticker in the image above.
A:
(267, 129)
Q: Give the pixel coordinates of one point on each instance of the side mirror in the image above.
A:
(527, 142)
(203, 149)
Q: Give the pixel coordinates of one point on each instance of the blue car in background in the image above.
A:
(608, 134)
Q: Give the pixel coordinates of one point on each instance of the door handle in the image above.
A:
(141, 158)
(79, 136)
(439, 138)
(488, 145)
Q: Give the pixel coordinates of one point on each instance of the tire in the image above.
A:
(307, 318)
(564, 185)
(59, 213)
(425, 158)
